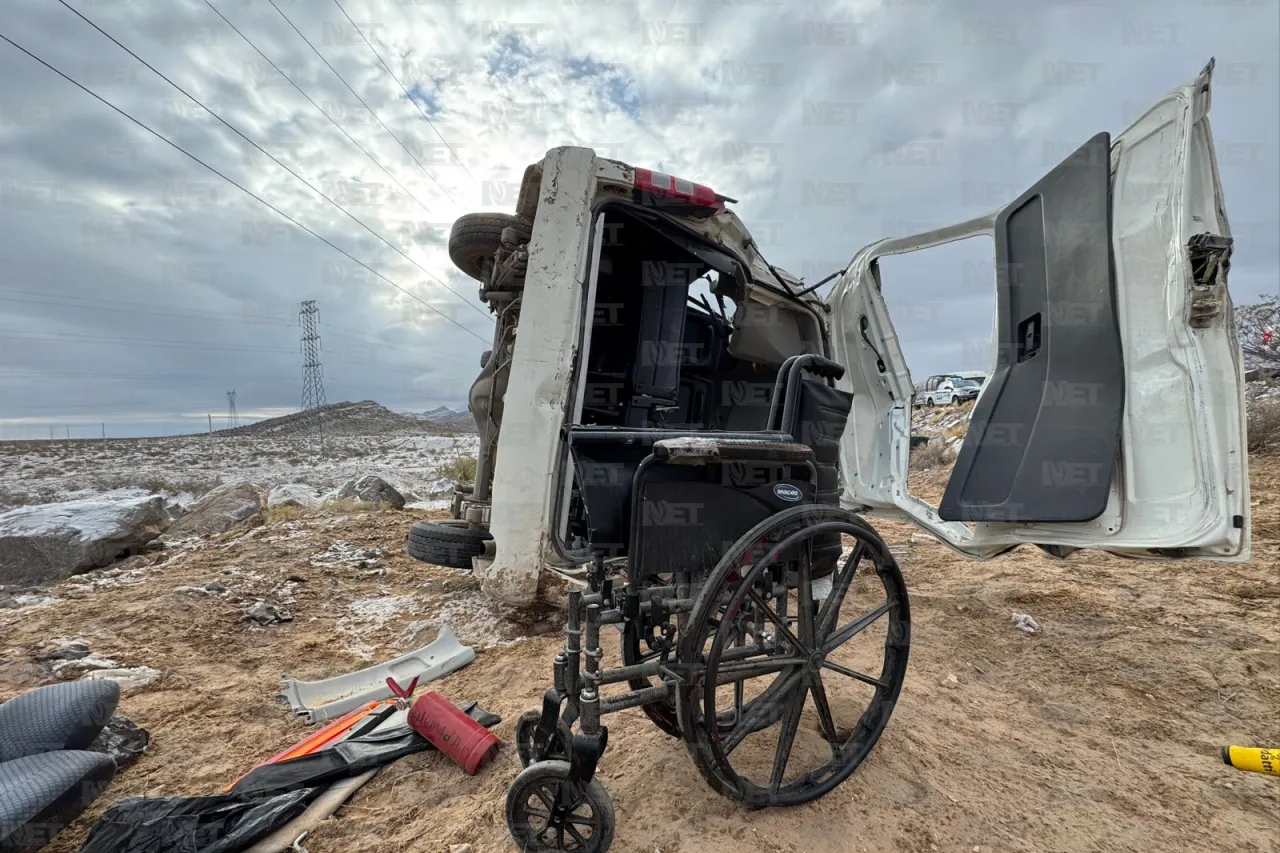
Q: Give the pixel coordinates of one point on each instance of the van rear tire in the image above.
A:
(476, 236)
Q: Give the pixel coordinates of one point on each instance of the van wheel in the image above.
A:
(476, 236)
(928, 401)
(448, 542)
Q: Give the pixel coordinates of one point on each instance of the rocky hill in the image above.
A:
(447, 418)
(363, 418)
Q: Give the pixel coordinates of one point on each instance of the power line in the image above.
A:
(384, 345)
(323, 112)
(365, 339)
(412, 100)
(97, 269)
(142, 376)
(277, 161)
(139, 311)
(238, 186)
(221, 315)
(114, 341)
(361, 100)
(282, 165)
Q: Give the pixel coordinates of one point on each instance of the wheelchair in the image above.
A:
(737, 583)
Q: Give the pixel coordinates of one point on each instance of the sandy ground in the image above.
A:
(1099, 733)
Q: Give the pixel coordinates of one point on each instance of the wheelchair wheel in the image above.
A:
(836, 664)
(546, 813)
(664, 714)
(557, 749)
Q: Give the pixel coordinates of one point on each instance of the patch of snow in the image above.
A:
(129, 678)
(79, 666)
(91, 518)
(477, 621)
(343, 553)
(35, 600)
(1026, 623)
(436, 504)
(378, 609)
(107, 579)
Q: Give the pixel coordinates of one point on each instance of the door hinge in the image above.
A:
(1210, 257)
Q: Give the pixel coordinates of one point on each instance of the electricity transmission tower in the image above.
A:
(312, 374)
(233, 419)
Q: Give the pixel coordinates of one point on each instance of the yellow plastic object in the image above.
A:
(1253, 759)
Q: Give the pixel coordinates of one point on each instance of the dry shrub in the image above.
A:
(1264, 426)
(462, 469)
(931, 455)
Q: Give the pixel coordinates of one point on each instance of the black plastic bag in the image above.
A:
(351, 757)
(219, 824)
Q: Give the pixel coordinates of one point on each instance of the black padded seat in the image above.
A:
(822, 415)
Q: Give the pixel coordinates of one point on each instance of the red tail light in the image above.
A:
(656, 185)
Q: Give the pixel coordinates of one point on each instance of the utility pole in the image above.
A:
(51, 433)
(312, 374)
(233, 419)
(104, 430)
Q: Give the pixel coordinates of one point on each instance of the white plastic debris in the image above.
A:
(1024, 622)
(129, 678)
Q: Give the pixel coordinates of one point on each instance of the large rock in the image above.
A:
(221, 509)
(294, 494)
(372, 490)
(45, 543)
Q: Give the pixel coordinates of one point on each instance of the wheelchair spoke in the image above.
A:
(857, 626)
(759, 711)
(778, 622)
(787, 736)
(577, 836)
(743, 670)
(853, 673)
(830, 613)
(548, 799)
(820, 704)
(805, 592)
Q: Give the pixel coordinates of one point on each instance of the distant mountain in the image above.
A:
(363, 418)
(447, 418)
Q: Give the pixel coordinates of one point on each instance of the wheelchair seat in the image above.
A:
(706, 488)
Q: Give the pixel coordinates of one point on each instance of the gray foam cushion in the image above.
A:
(56, 717)
(40, 794)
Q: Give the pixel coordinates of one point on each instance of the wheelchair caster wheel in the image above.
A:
(557, 749)
(546, 813)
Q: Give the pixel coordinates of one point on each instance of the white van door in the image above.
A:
(1114, 416)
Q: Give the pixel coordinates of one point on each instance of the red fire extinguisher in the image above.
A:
(452, 732)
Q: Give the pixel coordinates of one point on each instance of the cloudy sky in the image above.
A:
(137, 287)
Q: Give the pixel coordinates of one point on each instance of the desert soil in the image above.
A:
(1098, 733)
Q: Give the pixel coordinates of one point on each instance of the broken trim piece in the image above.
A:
(319, 701)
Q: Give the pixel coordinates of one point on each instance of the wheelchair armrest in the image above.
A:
(709, 450)
(824, 367)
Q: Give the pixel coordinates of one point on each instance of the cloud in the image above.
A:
(834, 124)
